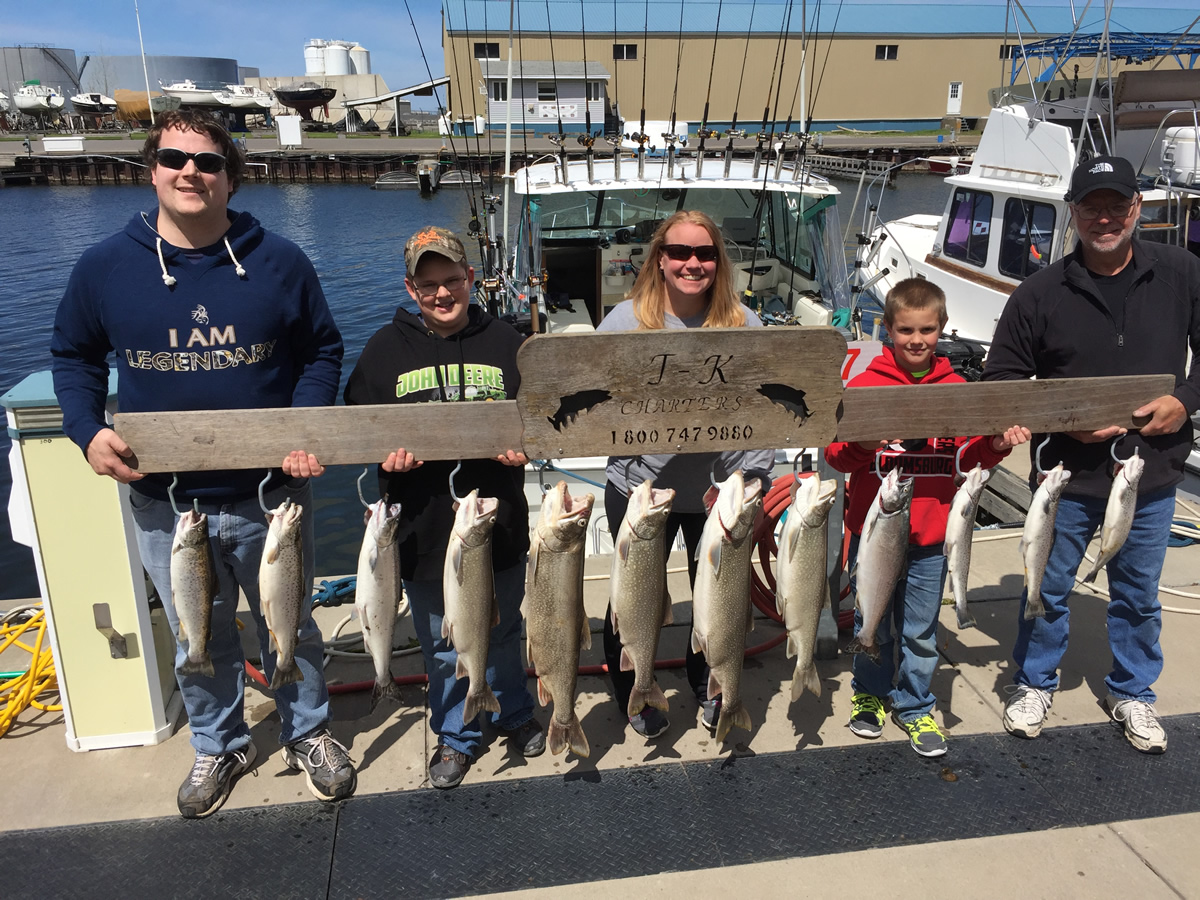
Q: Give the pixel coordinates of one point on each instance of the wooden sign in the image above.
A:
(703, 389)
(951, 410)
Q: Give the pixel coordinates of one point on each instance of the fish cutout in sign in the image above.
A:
(570, 406)
(790, 398)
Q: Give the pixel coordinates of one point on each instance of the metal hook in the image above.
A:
(1112, 451)
(454, 496)
(361, 498)
(628, 465)
(171, 494)
(958, 469)
(261, 486)
(1037, 457)
(712, 473)
(542, 469)
(796, 465)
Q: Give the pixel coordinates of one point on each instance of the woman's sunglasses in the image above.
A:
(682, 252)
(206, 161)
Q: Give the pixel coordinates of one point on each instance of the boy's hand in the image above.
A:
(512, 458)
(299, 464)
(1018, 434)
(107, 454)
(401, 461)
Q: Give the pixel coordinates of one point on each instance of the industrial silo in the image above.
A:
(337, 58)
(360, 60)
(314, 57)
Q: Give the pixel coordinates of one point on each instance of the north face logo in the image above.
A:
(1100, 167)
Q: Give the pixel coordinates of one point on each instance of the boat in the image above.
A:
(950, 165)
(242, 96)
(190, 94)
(304, 97)
(5, 106)
(34, 98)
(397, 180)
(93, 103)
(133, 107)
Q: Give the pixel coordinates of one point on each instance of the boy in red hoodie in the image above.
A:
(914, 315)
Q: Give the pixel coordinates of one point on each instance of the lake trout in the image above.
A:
(193, 587)
(555, 623)
(282, 590)
(960, 526)
(1118, 514)
(1037, 537)
(638, 584)
(377, 594)
(882, 557)
(469, 591)
(721, 610)
(802, 586)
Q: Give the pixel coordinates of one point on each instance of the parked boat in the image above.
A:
(242, 96)
(34, 98)
(190, 94)
(133, 107)
(950, 165)
(304, 97)
(93, 103)
(396, 181)
(5, 106)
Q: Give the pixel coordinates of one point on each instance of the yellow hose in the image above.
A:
(19, 693)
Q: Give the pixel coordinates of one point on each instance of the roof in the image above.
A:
(425, 88)
(603, 18)
(536, 68)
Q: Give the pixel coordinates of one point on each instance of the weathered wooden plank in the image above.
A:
(260, 438)
(706, 389)
(949, 410)
(996, 506)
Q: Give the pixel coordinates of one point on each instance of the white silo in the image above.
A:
(337, 58)
(360, 60)
(314, 57)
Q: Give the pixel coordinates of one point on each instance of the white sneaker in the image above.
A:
(1140, 720)
(1026, 711)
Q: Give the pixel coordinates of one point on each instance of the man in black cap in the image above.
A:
(1115, 306)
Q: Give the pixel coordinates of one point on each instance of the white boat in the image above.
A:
(93, 103)
(35, 98)
(5, 106)
(242, 96)
(190, 94)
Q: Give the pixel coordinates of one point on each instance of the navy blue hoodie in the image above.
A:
(211, 339)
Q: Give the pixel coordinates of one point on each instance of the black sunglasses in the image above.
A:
(206, 161)
(682, 252)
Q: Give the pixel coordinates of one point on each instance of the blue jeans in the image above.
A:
(237, 532)
(505, 670)
(1134, 613)
(912, 615)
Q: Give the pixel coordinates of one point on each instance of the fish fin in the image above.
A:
(657, 698)
(710, 497)
(544, 697)
(622, 546)
(560, 738)
(285, 676)
(531, 569)
(456, 550)
(460, 671)
(780, 600)
(966, 618)
(714, 556)
(447, 631)
(668, 613)
(388, 689)
(1087, 579)
(373, 557)
(181, 634)
(792, 646)
(793, 540)
(272, 554)
(202, 666)
(477, 701)
(529, 652)
(637, 702)
(272, 644)
(729, 718)
(749, 616)
(714, 686)
(613, 618)
(495, 612)
(806, 679)
(627, 665)
(585, 630)
(699, 642)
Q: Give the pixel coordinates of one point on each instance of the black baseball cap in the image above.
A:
(1113, 173)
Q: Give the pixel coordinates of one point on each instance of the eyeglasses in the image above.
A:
(682, 252)
(430, 289)
(206, 161)
(1114, 211)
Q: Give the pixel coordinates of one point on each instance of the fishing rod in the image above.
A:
(704, 132)
(733, 129)
(587, 139)
(560, 139)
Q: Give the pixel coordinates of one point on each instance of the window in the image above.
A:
(624, 51)
(595, 90)
(499, 91)
(969, 227)
(547, 91)
(1028, 231)
(886, 51)
(487, 50)
(955, 89)
(1008, 51)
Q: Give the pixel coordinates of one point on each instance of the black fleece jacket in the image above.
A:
(1057, 325)
(405, 362)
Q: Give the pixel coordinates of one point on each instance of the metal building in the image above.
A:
(110, 73)
(54, 67)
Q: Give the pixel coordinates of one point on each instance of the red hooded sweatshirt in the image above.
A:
(931, 495)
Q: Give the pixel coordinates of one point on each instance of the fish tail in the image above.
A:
(388, 689)
(652, 696)
(805, 679)
(1091, 576)
(731, 716)
(285, 675)
(563, 736)
(479, 700)
(1034, 608)
(203, 665)
(966, 618)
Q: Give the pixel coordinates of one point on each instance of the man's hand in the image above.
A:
(1167, 416)
(106, 453)
(513, 458)
(1095, 437)
(299, 464)
(401, 461)
(1018, 434)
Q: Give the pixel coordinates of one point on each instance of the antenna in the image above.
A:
(145, 75)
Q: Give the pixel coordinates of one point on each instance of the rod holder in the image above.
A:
(116, 641)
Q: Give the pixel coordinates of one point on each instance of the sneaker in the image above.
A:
(650, 722)
(866, 715)
(1142, 726)
(924, 736)
(211, 779)
(448, 767)
(1026, 710)
(326, 765)
(529, 738)
(710, 712)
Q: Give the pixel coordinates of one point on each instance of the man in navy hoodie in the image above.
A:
(207, 310)
(453, 351)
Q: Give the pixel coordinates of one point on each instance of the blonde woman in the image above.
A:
(686, 282)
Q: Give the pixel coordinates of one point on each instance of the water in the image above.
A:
(355, 238)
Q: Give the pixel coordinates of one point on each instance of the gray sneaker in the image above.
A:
(210, 781)
(1140, 720)
(650, 722)
(1026, 711)
(710, 712)
(326, 765)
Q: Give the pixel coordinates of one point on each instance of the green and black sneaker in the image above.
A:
(866, 715)
(924, 736)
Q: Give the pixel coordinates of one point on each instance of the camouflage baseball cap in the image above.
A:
(433, 239)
